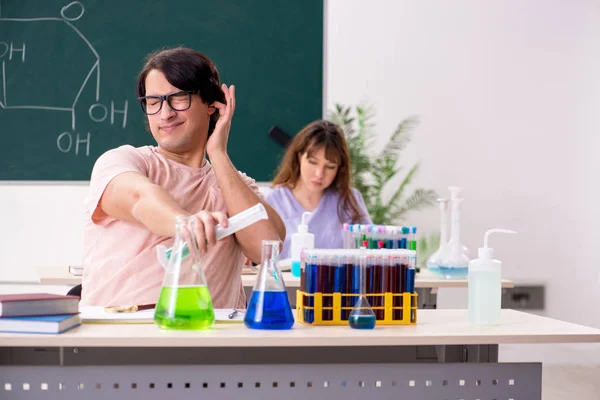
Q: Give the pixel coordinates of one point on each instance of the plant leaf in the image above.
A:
(397, 196)
(426, 247)
(400, 138)
(420, 199)
(371, 173)
(341, 117)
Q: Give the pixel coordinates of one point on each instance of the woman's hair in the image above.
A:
(186, 69)
(313, 137)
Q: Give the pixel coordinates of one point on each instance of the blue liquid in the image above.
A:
(355, 286)
(296, 269)
(269, 310)
(339, 286)
(410, 280)
(361, 321)
(450, 272)
(310, 281)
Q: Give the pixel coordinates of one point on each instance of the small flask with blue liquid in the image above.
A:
(269, 306)
(362, 315)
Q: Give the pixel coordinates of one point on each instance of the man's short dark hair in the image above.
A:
(186, 69)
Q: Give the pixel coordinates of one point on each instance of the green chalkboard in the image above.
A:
(68, 70)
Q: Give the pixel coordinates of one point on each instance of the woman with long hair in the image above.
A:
(314, 176)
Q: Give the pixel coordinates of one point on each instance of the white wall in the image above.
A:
(508, 93)
(39, 224)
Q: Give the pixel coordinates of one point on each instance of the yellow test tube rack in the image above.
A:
(405, 314)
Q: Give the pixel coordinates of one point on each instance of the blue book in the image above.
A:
(40, 324)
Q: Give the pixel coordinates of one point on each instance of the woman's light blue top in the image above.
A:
(324, 222)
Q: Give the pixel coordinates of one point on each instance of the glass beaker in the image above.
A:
(269, 306)
(362, 315)
(184, 301)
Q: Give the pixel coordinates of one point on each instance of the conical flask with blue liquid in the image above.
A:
(269, 306)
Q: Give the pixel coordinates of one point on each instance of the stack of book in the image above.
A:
(38, 313)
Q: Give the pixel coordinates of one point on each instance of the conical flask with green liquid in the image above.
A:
(184, 301)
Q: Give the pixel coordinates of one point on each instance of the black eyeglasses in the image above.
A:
(178, 101)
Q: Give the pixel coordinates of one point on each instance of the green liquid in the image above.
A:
(187, 307)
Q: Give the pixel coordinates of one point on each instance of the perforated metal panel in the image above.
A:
(264, 382)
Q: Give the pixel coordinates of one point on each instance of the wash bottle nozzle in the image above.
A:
(303, 227)
(485, 252)
(302, 239)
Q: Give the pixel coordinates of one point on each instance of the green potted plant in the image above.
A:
(372, 172)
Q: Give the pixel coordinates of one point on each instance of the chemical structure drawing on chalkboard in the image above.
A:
(25, 85)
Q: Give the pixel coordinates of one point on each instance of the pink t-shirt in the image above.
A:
(119, 258)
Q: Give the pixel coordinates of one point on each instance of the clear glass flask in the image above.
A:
(362, 315)
(184, 301)
(434, 260)
(269, 306)
(454, 260)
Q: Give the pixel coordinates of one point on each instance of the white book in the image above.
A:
(76, 270)
(98, 315)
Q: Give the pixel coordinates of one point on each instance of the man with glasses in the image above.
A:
(136, 193)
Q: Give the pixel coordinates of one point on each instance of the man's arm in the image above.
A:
(133, 197)
(238, 197)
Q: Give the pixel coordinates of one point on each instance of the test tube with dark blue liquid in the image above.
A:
(410, 284)
(325, 284)
(310, 282)
(404, 239)
(394, 284)
(355, 281)
(339, 280)
(348, 301)
(377, 282)
(410, 276)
